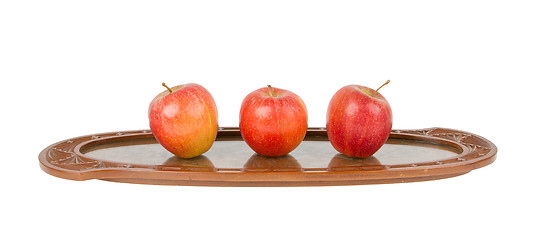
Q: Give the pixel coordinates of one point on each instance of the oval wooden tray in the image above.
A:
(136, 157)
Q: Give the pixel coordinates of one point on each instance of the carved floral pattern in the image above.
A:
(63, 154)
(477, 147)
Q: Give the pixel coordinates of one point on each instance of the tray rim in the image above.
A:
(464, 162)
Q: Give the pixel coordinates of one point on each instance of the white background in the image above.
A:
(72, 68)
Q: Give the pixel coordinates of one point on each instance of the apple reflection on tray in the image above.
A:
(256, 163)
(200, 163)
(341, 162)
(260, 163)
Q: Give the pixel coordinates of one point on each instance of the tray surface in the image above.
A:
(136, 157)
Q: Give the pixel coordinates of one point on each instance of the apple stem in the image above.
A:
(271, 90)
(387, 82)
(165, 85)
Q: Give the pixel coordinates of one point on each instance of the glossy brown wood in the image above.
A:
(135, 157)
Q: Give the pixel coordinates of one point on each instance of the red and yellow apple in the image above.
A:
(273, 121)
(358, 121)
(184, 120)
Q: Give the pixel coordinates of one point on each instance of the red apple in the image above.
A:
(358, 121)
(184, 120)
(273, 121)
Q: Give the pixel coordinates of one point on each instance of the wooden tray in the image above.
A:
(136, 157)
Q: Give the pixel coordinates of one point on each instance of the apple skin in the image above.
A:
(358, 121)
(273, 125)
(185, 122)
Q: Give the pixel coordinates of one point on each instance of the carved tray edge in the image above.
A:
(478, 152)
